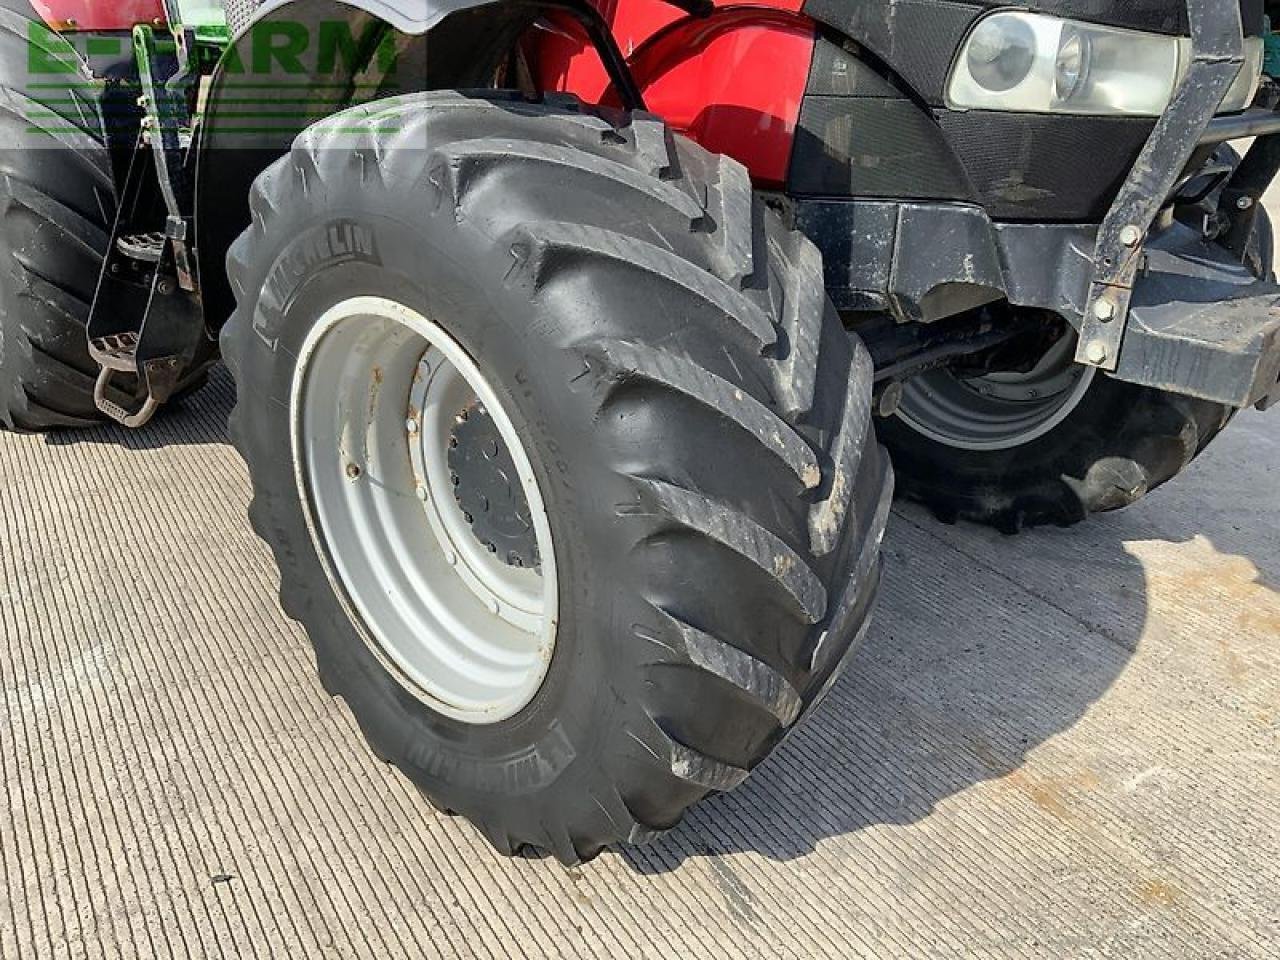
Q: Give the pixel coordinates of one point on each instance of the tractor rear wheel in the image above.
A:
(564, 457)
(57, 211)
(57, 204)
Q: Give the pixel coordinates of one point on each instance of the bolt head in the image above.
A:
(411, 425)
(1104, 310)
(1096, 352)
(353, 472)
(421, 493)
(1244, 203)
(1131, 236)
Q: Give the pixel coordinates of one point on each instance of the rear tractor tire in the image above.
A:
(57, 205)
(57, 211)
(564, 457)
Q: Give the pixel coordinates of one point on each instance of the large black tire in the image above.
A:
(1119, 444)
(698, 420)
(57, 204)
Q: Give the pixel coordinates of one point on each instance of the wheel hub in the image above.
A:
(487, 488)
(997, 411)
(375, 409)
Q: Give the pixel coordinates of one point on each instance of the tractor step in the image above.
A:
(131, 419)
(118, 352)
(142, 247)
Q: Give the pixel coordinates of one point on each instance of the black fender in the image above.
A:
(299, 61)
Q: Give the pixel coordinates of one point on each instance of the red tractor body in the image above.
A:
(94, 15)
(733, 81)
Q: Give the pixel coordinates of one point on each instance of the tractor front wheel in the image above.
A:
(564, 457)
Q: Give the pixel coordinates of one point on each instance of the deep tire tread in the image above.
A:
(704, 243)
(631, 362)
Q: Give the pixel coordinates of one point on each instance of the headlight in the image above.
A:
(1029, 62)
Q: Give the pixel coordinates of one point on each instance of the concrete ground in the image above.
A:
(1065, 744)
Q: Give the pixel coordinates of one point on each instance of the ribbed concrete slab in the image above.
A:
(1064, 744)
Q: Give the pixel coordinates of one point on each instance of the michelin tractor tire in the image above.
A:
(566, 462)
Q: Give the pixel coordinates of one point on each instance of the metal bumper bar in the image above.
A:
(1251, 123)
(1217, 40)
(1202, 325)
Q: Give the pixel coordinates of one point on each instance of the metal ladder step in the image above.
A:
(143, 247)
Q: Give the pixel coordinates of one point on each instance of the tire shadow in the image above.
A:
(985, 647)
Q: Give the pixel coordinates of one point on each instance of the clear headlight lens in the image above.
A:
(1028, 62)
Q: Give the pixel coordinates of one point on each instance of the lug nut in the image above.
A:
(1096, 352)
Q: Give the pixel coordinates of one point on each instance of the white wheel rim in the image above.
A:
(376, 391)
(1000, 411)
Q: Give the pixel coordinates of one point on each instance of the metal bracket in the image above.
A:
(165, 80)
(1217, 41)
